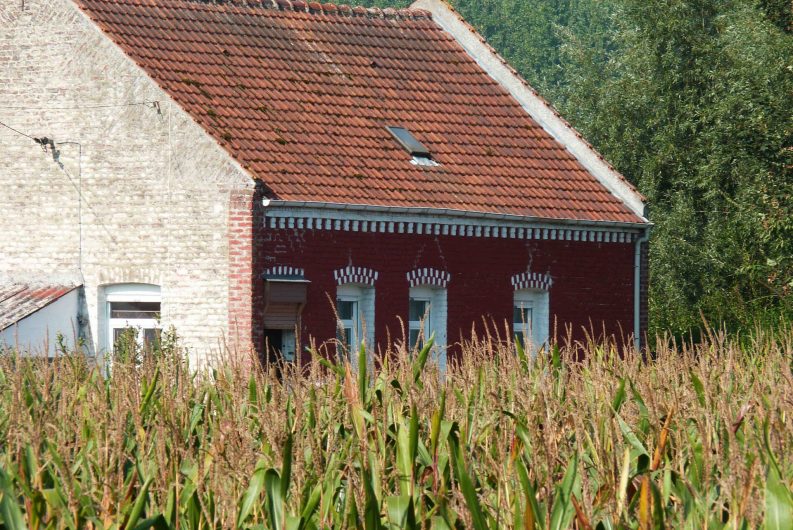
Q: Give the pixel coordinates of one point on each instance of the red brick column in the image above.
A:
(240, 338)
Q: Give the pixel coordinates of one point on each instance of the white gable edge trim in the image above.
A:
(498, 69)
(306, 215)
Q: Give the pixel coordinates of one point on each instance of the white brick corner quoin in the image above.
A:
(355, 275)
(532, 280)
(427, 276)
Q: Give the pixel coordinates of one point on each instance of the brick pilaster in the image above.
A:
(240, 234)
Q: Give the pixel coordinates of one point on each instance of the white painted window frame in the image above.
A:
(423, 326)
(438, 321)
(362, 322)
(129, 292)
(537, 332)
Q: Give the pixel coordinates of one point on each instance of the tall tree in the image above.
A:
(693, 104)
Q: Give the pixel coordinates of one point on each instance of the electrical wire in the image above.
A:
(152, 104)
(20, 133)
(44, 142)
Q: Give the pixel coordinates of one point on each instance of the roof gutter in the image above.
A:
(453, 214)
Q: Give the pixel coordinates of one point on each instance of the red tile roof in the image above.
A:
(18, 301)
(301, 94)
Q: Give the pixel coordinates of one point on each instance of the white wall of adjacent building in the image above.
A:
(38, 333)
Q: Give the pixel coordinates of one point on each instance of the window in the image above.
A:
(530, 318)
(409, 142)
(133, 314)
(420, 318)
(140, 319)
(522, 321)
(349, 324)
(424, 161)
(420, 153)
(427, 317)
(355, 310)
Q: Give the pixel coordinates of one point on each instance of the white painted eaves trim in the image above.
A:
(164, 93)
(304, 215)
(419, 214)
(539, 109)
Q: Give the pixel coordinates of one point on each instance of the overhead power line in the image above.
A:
(152, 104)
(20, 133)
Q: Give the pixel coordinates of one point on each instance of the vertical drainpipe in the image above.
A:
(637, 287)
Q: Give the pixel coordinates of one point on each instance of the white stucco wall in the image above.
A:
(37, 334)
(148, 199)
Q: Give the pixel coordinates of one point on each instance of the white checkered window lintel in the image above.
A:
(428, 276)
(283, 270)
(532, 280)
(355, 275)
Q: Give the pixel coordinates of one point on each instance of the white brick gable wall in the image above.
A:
(155, 187)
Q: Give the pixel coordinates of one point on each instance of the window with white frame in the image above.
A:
(132, 313)
(427, 318)
(355, 311)
(419, 321)
(530, 318)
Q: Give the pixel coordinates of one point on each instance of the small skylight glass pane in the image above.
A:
(409, 142)
(424, 161)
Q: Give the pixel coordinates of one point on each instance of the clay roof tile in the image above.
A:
(301, 93)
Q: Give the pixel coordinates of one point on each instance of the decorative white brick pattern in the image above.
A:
(448, 228)
(532, 280)
(283, 270)
(427, 276)
(358, 275)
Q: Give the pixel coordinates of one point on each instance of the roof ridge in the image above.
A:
(343, 10)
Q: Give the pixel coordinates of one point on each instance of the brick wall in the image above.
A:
(592, 291)
(154, 189)
(644, 286)
(241, 271)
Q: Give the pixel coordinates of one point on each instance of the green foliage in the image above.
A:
(692, 103)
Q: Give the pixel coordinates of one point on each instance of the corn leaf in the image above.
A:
(275, 502)
(251, 496)
(778, 503)
(140, 503)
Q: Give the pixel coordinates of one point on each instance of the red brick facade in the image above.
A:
(644, 290)
(592, 290)
(241, 271)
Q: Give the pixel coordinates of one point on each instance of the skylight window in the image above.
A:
(409, 142)
(424, 161)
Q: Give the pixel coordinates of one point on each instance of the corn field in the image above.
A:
(701, 436)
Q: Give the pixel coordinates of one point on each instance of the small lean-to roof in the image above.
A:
(20, 300)
(301, 95)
